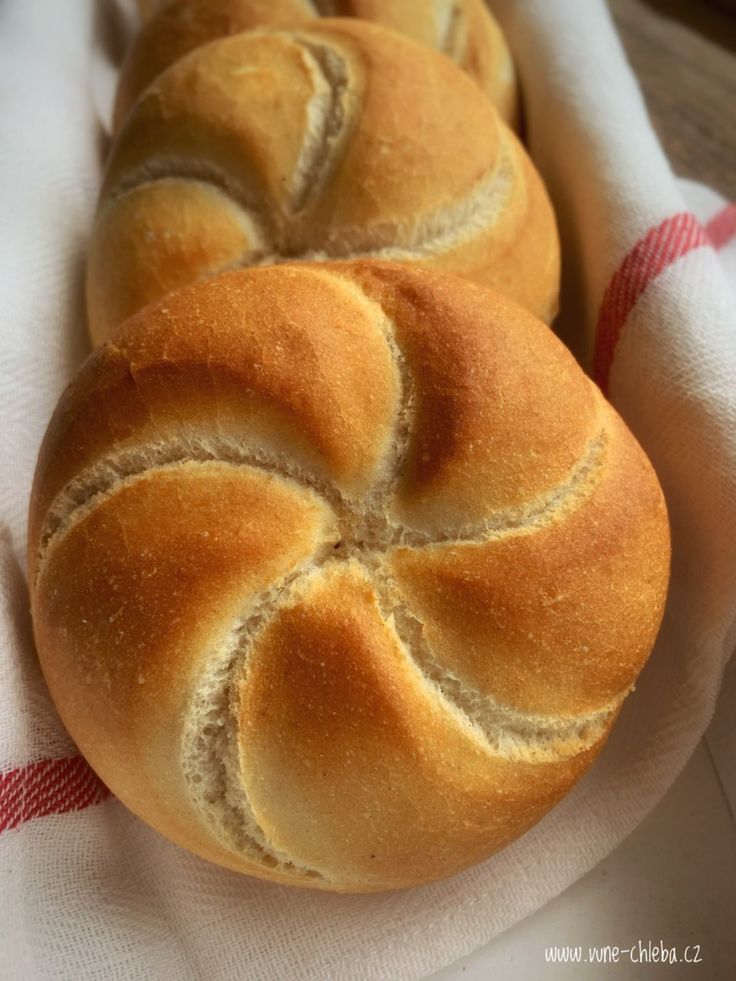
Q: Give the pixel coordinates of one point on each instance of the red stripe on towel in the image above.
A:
(722, 227)
(652, 254)
(48, 787)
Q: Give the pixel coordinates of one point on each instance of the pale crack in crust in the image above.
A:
(436, 234)
(363, 529)
(326, 122)
(324, 8)
(501, 729)
(210, 751)
(433, 234)
(452, 29)
(164, 167)
(107, 477)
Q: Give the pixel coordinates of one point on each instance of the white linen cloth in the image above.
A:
(89, 891)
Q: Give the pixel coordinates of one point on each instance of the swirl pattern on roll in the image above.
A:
(341, 573)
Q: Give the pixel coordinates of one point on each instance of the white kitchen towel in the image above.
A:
(89, 891)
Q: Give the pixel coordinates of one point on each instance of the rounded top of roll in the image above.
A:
(341, 140)
(464, 30)
(340, 573)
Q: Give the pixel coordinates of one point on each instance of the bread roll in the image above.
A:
(343, 140)
(462, 29)
(340, 573)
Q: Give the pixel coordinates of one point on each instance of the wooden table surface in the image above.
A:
(684, 54)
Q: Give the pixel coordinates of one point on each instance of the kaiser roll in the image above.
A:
(341, 573)
(338, 141)
(462, 29)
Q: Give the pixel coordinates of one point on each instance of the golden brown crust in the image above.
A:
(522, 262)
(163, 235)
(462, 29)
(514, 615)
(330, 693)
(489, 430)
(154, 578)
(339, 140)
(268, 379)
(298, 632)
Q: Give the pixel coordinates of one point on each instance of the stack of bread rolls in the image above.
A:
(462, 29)
(336, 139)
(340, 567)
